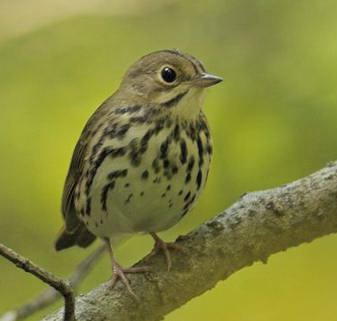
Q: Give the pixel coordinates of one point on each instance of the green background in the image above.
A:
(274, 119)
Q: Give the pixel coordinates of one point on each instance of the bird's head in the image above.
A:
(168, 79)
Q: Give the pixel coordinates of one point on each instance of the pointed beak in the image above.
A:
(206, 80)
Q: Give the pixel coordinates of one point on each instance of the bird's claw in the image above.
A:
(120, 273)
(162, 246)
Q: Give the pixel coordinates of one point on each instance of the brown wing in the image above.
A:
(74, 232)
(74, 174)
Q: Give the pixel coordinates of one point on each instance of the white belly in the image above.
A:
(143, 199)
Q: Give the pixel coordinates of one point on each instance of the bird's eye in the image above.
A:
(168, 74)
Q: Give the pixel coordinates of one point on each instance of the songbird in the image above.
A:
(142, 159)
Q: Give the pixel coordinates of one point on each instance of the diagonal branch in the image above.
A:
(256, 226)
(50, 295)
(58, 284)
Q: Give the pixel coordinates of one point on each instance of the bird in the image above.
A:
(142, 159)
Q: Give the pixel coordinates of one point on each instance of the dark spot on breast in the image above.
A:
(135, 158)
(147, 136)
(110, 130)
(187, 177)
(128, 199)
(145, 174)
(176, 132)
(166, 163)
(164, 149)
(117, 174)
(135, 153)
(183, 151)
(117, 152)
(187, 196)
(200, 151)
(104, 194)
(199, 178)
(122, 130)
(190, 164)
(96, 148)
(143, 148)
(95, 165)
(189, 203)
(191, 132)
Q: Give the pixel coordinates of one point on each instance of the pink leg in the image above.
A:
(118, 272)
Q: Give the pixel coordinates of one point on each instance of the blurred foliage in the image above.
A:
(274, 119)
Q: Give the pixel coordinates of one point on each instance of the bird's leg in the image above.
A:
(161, 245)
(118, 272)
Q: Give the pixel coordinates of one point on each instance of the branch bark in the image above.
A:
(256, 226)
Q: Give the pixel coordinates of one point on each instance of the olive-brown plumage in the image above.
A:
(143, 157)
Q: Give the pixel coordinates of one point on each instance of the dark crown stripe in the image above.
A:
(174, 101)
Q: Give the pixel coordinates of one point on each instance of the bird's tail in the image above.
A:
(81, 237)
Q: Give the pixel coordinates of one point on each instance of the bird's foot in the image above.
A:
(118, 272)
(162, 246)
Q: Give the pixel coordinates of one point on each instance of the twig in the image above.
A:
(58, 284)
(50, 295)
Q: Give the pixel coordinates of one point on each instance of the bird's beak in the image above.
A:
(206, 80)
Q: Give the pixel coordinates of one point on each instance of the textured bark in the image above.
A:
(256, 226)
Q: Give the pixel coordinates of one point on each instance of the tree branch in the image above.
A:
(50, 295)
(58, 284)
(258, 225)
